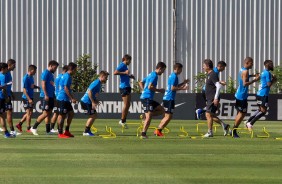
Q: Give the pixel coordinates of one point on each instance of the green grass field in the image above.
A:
(128, 159)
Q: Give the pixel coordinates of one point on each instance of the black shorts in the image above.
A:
(2, 106)
(125, 91)
(47, 105)
(211, 108)
(27, 105)
(88, 108)
(64, 107)
(169, 106)
(149, 105)
(55, 109)
(241, 105)
(262, 101)
(9, 105)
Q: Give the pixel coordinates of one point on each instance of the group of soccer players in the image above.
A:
(212, 94)
(56, 94)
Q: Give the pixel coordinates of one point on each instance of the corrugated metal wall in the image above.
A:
(228, 30)
(35, 32)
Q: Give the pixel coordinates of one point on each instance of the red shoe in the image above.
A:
(63, 136)
(29, 131)
(158, 133)
(19, 127)
(67, 133)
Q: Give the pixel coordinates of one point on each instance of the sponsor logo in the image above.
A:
(227, 109)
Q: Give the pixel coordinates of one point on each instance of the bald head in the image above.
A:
(248, 62)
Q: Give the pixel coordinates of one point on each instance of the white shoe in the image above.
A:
(54, 131)
(87, 134)
(124, 125)
(249, 126)
(15, 133)
(208, 135)
(1, 130)
(33, 131)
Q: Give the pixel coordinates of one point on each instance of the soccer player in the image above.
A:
(3, 99)
(169, 96)
(266, 81)
(56, 112)
(124, 87)
(65, 98)
(241, 94)
(212, 93)
(151, 107)
(9, 107)
(28, 91)
(89, 101)
(219, 68)
(47, 96)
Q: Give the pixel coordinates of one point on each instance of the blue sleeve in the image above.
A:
(44, 76)
(152, 79)
(121, 68)
(66, 81)
(174, 81)
(2, 80)
(92, 86)
(268, 77)
(25, 82)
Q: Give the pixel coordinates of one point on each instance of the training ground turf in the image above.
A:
(128, 159)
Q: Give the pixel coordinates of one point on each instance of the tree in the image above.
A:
(277, 87)
(200, 81)
(231, 85)
(86, 73)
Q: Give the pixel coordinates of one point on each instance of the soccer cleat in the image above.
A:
(54, 131)
(8, 135)
(249, 126)
(19, 127)
(234, 134)
(226, 129)
(124, 125)
(33, 131)
(1, 130)
(67, 133)
(208, 135)
(49, 133)
(87, 133)
(158, 133)
(15, 133)
(63, 136)
(199, 113)
(28, 130)
(143, 137)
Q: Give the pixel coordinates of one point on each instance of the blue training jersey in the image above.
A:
(124, 79)
(95, 88)
(217, 73)
(8, 78)
(264, 89)
(242, 91)
(172, 81)
(66, 80)
(57, 83)
(147, 93)
(2, 83)
(28, 84)
(48, 77)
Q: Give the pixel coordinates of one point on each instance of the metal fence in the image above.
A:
(188, 31)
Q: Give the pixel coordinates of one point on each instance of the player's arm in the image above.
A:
(27, 96)
(153, 88)
(43, 84)
(116, 72)
(270, 81)
(245, 76)
(141, 85)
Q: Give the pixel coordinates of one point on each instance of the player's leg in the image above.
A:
(126, 98)
(70, 114)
